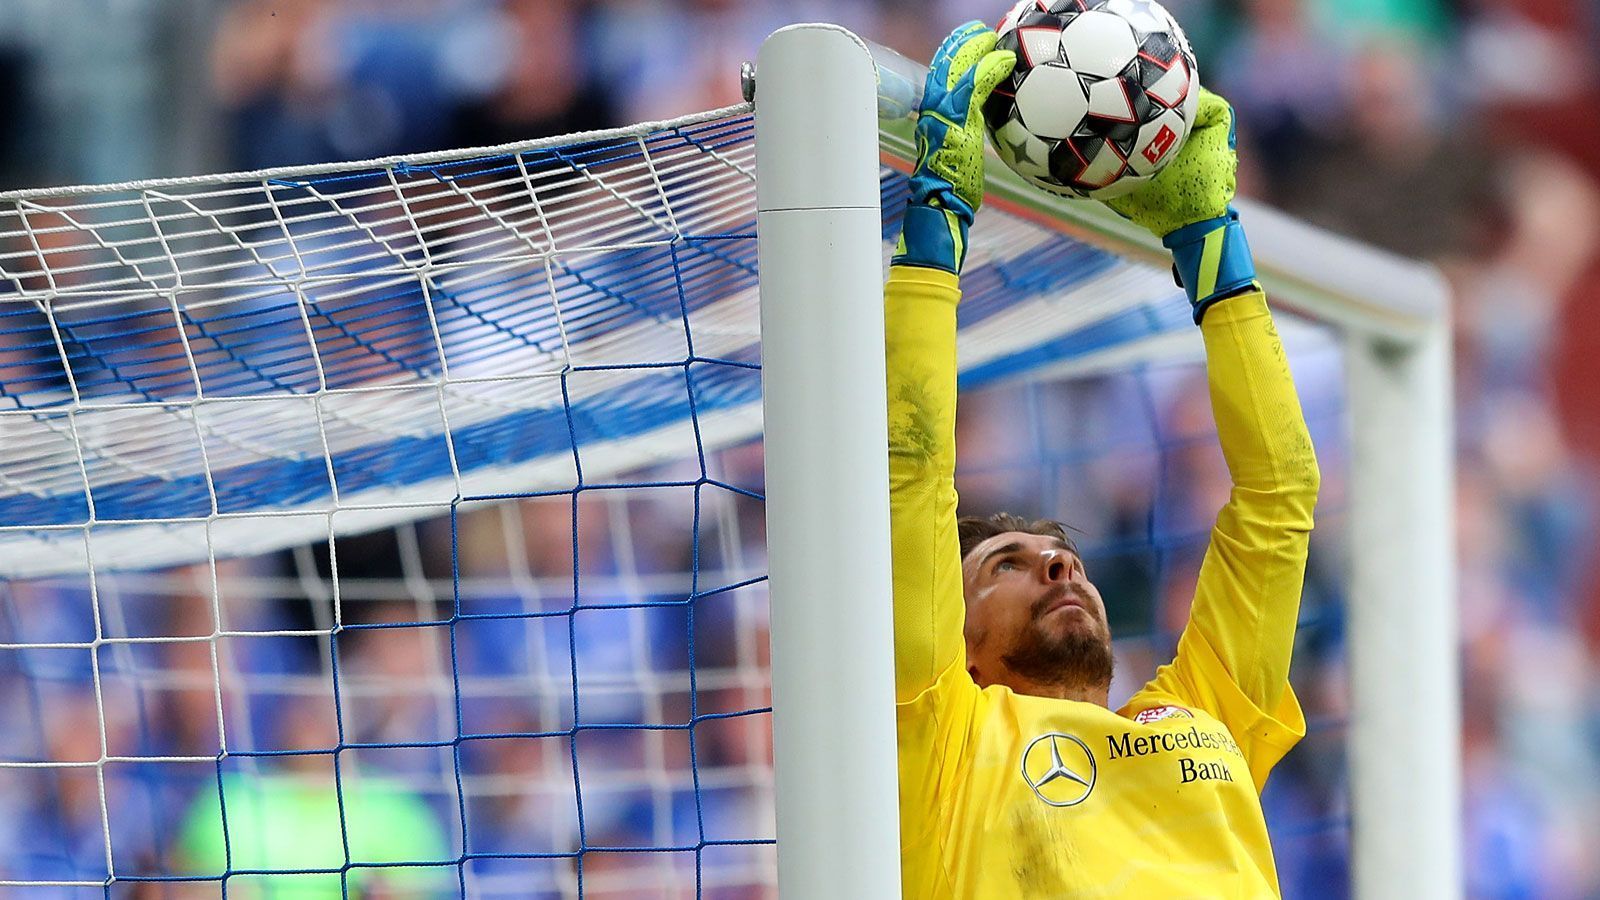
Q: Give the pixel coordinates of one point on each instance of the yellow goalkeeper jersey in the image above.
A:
(1007, 796)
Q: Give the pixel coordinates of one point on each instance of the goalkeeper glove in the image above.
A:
(1188, 206)
(947, 183)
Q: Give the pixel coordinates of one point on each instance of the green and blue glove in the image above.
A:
(947, 184)
(1189, 206)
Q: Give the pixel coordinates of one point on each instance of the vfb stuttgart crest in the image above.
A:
(1157, 713)
(1059, 768)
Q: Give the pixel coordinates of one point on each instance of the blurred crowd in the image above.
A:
(1448, 130)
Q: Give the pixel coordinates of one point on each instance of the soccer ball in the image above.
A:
(1102, 96)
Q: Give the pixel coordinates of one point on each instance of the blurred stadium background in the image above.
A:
(1458, 132)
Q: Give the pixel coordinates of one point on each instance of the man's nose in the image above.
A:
(1054, 567)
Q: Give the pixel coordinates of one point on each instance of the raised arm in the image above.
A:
(1233, 657)
(1248, 597)
(920, 320)
(920, 327)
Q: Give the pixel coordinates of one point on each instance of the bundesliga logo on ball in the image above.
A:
(1102, 96)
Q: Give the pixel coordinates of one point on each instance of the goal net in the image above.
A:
(399, 524)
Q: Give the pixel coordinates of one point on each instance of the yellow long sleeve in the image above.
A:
(935, 696)
(1233, 657)
(1248, 598)
(920, 326)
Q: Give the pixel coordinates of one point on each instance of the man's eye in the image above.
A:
(1005, 565)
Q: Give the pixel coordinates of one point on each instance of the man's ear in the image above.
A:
(972, 672)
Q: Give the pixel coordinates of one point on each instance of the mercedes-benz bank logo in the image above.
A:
(1059, 768)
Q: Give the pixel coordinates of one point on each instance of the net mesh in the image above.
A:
(400, 523)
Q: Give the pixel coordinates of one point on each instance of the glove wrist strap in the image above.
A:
(1212, 260)
(933, 238)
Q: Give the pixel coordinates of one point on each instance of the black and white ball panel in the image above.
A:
(1051, 101)
(1098, 44)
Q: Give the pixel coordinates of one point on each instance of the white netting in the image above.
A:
(363, 338)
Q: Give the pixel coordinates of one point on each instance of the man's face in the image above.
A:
(1031, 611)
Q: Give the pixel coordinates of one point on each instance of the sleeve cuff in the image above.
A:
(926, 283)
(1241, 307)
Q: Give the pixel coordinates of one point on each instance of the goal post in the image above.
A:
(1405, 770)
(818, 232)
(814, 86)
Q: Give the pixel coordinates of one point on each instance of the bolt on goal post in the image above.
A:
(819, 92)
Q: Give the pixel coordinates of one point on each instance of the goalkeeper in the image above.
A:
(1016, 780)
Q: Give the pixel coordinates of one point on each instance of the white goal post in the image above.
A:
(817, 99)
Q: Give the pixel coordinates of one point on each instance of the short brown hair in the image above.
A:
(974, 530)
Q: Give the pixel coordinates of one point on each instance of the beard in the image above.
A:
(1074, 657)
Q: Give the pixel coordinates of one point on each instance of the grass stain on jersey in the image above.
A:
(1041, 848)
